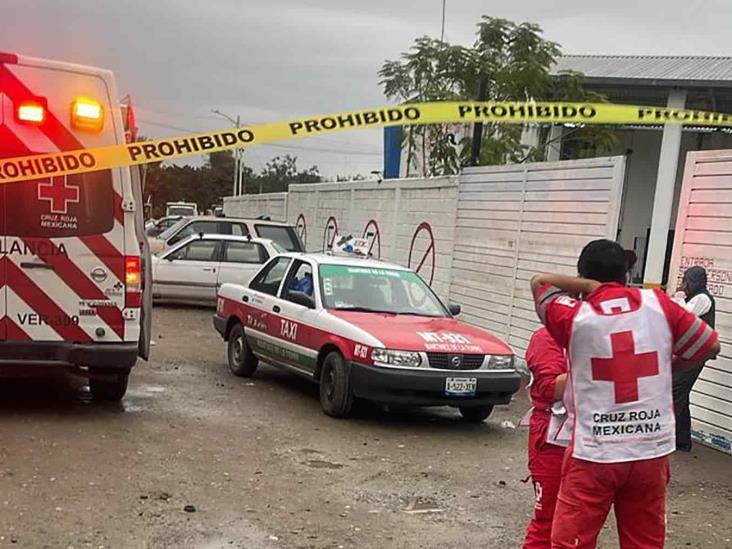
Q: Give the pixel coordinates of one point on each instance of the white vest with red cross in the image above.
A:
(620, 364)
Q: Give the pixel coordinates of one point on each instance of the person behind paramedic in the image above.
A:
(700, 302)
(620, 342)
(548, 367)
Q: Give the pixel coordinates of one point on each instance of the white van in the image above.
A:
(74, 260)
(186, 209)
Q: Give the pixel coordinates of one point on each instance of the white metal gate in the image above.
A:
(704, 237)
(517, 220)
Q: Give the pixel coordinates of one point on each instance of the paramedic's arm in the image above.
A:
(571, 284)
(546, 360)
(559, 384)
(694, 340)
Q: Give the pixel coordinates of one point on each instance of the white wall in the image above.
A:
(393, 209)
(704, 237)
(518, 220)
(254, 205)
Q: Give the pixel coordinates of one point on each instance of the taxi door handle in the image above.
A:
(276, 309)
(209, 269)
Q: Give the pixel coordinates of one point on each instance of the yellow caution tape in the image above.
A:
(87, 160)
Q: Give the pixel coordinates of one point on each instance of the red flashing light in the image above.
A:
(9, 58)
(31, 111)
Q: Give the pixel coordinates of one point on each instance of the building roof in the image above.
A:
(656, 70)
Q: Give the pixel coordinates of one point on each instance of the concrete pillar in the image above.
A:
(554, 143)
(530, 136)
(663, 198)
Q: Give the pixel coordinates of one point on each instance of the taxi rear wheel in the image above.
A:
(335, 391)
(242, 361)
(475, 414)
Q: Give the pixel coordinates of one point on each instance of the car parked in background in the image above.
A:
(156, 226)
(194, 268)
(282, 233)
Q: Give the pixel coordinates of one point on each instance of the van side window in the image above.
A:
(238, 229)
(269, 279)
(197, 227)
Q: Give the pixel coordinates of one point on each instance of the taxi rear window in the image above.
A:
(74, 205)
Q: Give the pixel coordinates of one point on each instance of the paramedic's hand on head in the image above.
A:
(570, 284)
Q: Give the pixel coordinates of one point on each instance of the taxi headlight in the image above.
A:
(500, 362)
(388, 357)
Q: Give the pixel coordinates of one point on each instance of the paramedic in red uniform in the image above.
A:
(548, 367)
(620, 343)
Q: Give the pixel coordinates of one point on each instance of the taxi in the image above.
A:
(363, 329)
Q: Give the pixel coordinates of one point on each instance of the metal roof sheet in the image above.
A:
(648, 67)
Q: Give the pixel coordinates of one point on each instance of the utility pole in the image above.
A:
(238, 153)
(442, 33)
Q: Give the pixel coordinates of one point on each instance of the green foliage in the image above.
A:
(207, 185)
(514, 60)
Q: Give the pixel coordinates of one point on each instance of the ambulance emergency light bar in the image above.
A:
(86, 114)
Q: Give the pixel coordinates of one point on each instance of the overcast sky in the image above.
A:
(269, 60)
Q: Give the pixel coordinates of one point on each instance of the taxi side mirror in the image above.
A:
(454, 309)
(301, 298)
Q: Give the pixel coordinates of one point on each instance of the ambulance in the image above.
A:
(74, 261)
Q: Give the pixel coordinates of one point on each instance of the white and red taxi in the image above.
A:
(363, 329)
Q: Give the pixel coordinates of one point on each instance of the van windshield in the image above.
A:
(170, 231)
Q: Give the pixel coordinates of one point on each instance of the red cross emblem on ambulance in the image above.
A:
(59, 193)
(625, 367)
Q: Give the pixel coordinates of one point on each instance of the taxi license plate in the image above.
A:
(461, 386)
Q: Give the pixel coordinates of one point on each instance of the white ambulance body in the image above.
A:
(73, 255)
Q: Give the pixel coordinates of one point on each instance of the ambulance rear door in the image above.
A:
(64, 238)
(3, 308)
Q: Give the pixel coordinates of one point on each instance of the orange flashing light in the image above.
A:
(31, 112)
(87, 115)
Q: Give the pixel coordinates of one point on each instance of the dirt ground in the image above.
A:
(195, 457)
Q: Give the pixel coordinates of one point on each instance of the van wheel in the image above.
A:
(335, 390)
(242, 361)
(475, 414)
(109, 390)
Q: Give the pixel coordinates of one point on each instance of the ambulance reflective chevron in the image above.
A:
(71, 259)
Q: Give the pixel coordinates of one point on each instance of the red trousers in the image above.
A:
(545, 466)
(636, 488)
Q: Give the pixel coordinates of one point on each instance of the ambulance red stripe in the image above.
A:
(107, 253)
(37, 299)
(13, 331)
(119, 214)
(77, 280)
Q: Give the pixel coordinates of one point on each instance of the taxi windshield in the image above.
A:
(367, 289)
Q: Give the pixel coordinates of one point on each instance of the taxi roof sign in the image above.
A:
(350, 246)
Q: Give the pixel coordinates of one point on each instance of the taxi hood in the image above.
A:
(419, 333)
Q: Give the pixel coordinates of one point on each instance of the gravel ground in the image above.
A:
(195, 457)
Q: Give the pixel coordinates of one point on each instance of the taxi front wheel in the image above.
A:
(475, 414)
(335, 391)
(242, 361)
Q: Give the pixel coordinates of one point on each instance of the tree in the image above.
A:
(513, 63)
